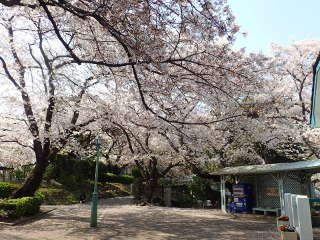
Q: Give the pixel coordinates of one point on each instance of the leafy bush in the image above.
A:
(119, 189)
(182, 196)
(165, 181)
(187, 195)
(19, 174)
(136, 173)
(74, 173)
(200, 188)
(183, 200)
(22, 206)
(51, 172)
(110, 194)
(53, 196)
(70, 181)
(125, 179)
(169, 182)
(6, 189)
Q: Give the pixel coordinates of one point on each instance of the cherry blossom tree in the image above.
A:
(276, 127)
(273, 126)
(47, 112)
(295, 70)
(174, 57)
(168, 44)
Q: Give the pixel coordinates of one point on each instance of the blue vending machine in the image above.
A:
(242, 198)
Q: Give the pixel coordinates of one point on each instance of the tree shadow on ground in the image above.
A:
(118, 220)
(163, 223)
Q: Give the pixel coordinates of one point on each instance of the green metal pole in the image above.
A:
(94, 203)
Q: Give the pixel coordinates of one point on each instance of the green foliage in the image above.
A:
(210, 167)
(75, 173)
(183, 197)
(77, 177)
(51, 172)
(169, 182)
(115, 178)
(70, 181)
(184, 200)
(136, 173)
(6, 189)
(200, 188)
(110, 194)
(166, 181)
(70, 171)
(190, 193)
(53, 196)
(22, 206)
(21, 174)
(119, 189)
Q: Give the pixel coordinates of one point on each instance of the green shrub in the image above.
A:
(118, 189)
(110, 194)
(22, 206)
(53, 196)
(136, 173)
(69, 180)
(182, 196)
(6, 189)
(200, 188)
(166, 181)
(184, 200)
(125, 179)
(74, 173)
(51, 172)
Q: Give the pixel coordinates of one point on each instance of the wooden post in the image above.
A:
(223, 194)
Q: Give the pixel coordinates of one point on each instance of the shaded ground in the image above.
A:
(118, 221)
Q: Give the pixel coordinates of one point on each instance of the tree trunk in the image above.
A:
(33, 181)
(151, 186)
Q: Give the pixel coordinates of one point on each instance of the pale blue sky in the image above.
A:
(278, 21)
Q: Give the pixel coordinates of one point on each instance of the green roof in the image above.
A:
(312, 166)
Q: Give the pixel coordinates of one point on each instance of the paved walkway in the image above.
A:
(118, 220)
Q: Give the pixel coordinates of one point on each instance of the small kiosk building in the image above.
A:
(271, 181)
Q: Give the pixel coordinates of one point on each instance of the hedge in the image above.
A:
(125, 179)
(54, 196)
(22, 206)
(6, 189)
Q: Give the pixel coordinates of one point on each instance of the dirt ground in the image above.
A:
(118, 220)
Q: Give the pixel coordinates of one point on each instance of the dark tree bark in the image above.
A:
(33, 181)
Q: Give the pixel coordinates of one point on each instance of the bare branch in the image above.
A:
(17, 142)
